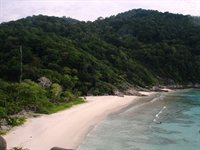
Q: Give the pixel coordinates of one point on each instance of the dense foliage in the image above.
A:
(138, 47)
(30, 96)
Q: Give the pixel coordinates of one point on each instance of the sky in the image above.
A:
(90, 10)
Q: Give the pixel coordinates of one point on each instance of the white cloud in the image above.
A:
(90, 9)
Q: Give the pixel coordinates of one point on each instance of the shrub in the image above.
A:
(68, 96)
(2, 112)
(15, 121)
(56, 91)
(29, 95)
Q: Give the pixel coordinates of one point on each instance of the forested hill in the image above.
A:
(138, 47)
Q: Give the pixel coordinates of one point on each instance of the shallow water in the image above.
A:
(167, 121)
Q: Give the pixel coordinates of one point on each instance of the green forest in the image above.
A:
(137, 48)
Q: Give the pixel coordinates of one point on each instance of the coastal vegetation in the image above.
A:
(64, 58)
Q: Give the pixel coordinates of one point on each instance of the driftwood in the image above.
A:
(3, 144)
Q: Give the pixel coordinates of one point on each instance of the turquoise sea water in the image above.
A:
(166, 121)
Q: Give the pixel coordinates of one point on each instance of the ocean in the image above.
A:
(165, 121)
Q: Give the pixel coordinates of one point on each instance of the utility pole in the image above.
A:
(21, 57)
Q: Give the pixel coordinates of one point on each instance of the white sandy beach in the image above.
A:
(67, 128)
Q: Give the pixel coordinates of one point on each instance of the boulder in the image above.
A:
(132, 91)
(45, 82)
(3, 122)
(158, 89)
(5, 128)
(197, 85)
(3, 144)
(118, 93)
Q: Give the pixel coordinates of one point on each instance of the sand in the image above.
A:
(67, 128)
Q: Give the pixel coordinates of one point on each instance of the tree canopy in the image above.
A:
(138, 47)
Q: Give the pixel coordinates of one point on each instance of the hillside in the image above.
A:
(135, 48)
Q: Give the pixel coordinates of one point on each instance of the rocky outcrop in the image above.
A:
(45, 82)
(165, 81)
(189, 85)
(158, 89)
(4, 127)
(197, 85)
(130, 91)
(133, 92)
(118, 93)
(175, 86)
(3, 144)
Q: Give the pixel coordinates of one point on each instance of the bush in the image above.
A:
(56, 91)
(15, 121)
(2, 112)
(26, 95)
(68, 96)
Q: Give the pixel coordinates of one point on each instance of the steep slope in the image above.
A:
(135, 48)
(138, 47)
(167, 44)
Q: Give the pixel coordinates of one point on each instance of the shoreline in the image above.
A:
(66, 129)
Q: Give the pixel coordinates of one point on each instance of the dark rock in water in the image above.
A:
(3, 144)
(157, 122)
(58, 148)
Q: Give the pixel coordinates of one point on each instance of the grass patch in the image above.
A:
(19, 120)
(15, 121)
(3, 132)
(61, 106)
